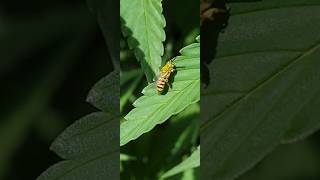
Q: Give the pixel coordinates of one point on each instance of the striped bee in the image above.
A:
(165, 73)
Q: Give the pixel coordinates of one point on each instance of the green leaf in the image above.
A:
(305, 123)
(142, 23)
(191, 162)
(90, 145)
(105, 93)
(181, 134)
(290, 161)
(186, 124)
(265, 75)
(152, 108)
(245, 7)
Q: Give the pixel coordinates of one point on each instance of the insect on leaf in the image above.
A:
(152, 109)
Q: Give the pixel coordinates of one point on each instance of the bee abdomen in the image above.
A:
(160, 85)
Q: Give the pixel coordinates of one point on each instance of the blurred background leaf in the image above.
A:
(44, 49)
(191, 162)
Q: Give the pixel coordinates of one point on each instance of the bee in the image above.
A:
(165, 74)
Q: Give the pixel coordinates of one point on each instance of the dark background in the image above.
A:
(51, 54)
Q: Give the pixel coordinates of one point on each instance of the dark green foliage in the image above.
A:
(264, 87)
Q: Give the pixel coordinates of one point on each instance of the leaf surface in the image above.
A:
(152, 109)
(142, 23)
(102, 94)
(263, 80)
(90, 145)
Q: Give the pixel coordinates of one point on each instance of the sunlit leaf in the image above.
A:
(142, 23)
(152, 109)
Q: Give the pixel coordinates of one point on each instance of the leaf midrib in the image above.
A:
(274, 8)
(261, 51)
(147, 34)
(206, 124)
(270, 147)
(178, 94)
(95, 127)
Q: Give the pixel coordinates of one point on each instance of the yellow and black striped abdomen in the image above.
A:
(160, 84)
(162, 81)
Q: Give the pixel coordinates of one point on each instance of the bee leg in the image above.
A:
(169, 85)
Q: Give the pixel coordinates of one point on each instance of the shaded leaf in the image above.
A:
(265, 74)
(291, 161)
(105, 93)
(89, 135)
(142, 23)
(152, 109)
(90, 145)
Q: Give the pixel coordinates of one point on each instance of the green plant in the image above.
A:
(158, 130)
(264, 85)
(90, 146)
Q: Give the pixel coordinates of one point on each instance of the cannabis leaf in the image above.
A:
(99, 97)
(90, 145)
(191, 162)
(264, 85)
(152, 109)
(142, 22)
